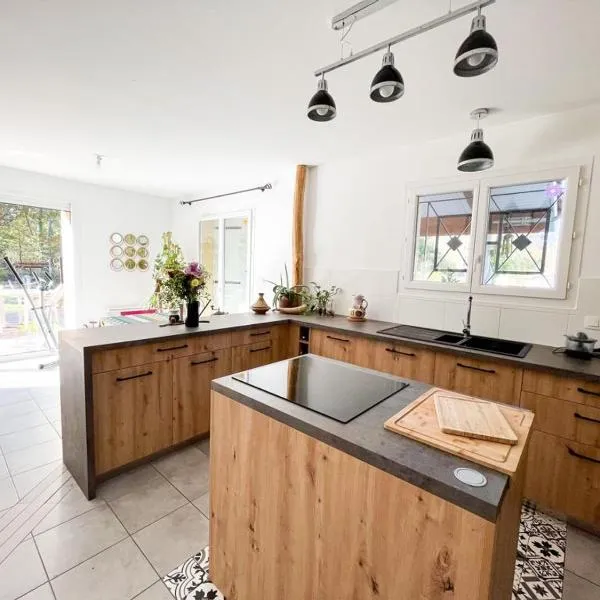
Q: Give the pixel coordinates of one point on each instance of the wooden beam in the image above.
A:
(298, 226)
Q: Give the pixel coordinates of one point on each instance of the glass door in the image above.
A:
(225, 244)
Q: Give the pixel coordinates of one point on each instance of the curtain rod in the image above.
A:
(262, 188)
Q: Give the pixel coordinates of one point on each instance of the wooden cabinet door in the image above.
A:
(403, 361)
(132, 414)
(564, 476)
(332, 345)
(191, 391)
(481, 378)
(251, 356)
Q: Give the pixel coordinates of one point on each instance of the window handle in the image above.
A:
(475, 368)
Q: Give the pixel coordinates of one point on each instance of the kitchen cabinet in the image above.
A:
(564, 476)
(191, 391)
(251, 356)
(403, 361)
(132, 414)
(334, 345)
(564, 388)
(482, 378)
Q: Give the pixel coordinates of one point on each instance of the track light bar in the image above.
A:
(450, 16)
(358, 11)
(262, 188)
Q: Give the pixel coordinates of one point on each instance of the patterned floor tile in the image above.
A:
(190, 581)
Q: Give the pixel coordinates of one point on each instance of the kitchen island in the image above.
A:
(305, 506)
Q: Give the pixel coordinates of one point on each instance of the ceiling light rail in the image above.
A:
(450, 16)
(262, 188)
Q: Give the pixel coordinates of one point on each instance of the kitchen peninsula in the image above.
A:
(130, 393)
(308, 501)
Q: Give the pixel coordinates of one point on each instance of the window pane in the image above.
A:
(523, 231)
(236, 265)
(443, 237)
(209, 255)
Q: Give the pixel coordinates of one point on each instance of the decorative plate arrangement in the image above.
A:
(129, 251)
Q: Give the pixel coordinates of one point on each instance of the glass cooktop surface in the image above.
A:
(334, 389)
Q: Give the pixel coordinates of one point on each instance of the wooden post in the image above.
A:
(298, 226)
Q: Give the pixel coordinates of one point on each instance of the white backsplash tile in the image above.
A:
(421, 312)
(537, 326)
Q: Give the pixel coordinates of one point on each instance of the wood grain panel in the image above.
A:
(298, 229)
(243, 337)
(132, 414)
(564, 476)
(294, 518)
(481, 378)
(251, 356)
(565, 388)
(331, 344)
(191, 391)
(403, 361)
(564, 419)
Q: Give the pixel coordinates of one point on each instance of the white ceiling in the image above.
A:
(189, 96)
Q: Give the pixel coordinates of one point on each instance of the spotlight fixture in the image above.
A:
(388, 84)
(478, 54)
(321, 106)
(477, 156)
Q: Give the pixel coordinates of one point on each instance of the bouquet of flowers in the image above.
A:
(193, 282)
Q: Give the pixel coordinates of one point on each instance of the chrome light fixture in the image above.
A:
(321, 106)
(478, 54)
(388, 84)
(477, 156)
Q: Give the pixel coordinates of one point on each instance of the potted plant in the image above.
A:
(320, 300)
(287, 296)
(169, 260)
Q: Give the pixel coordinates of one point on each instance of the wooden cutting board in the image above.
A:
(473, 418)
(419, 421)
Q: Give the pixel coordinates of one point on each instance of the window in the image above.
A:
(225, 251)
(516, 242)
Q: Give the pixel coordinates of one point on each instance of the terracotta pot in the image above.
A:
(260, 307)
(284, 302)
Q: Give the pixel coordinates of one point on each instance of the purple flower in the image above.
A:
(193, 269)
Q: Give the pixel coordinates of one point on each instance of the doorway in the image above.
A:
(32, 307)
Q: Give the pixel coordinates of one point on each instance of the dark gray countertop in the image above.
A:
(365, 438)
(539, 357)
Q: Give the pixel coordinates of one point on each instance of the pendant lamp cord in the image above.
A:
(343, 37)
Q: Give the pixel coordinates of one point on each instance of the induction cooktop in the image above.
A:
(331, 388)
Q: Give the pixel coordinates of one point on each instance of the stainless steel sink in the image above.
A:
(449, 338)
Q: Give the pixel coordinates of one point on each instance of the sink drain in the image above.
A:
(470, 477)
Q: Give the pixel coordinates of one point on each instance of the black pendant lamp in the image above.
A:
(321, 106)
(477, 156)
(388, 84)
(478, 53)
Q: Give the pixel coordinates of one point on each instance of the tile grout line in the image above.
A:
(25, 447)
(582, 577)
(43, 566)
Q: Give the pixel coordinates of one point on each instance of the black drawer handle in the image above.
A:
(475, 368)
(260, 349)
(588, 392)
(260, 333)
(584, 418)
(394, 351)
(583, 456)
(147, 374)
(337, 339)
(173, 348)
(203, 362)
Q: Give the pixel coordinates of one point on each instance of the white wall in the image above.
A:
(96, 213)
(356, 227)
(272, 224)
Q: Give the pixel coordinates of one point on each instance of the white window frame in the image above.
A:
(481, 188)
(414, 192)
(220, 276)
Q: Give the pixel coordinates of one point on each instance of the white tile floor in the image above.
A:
(57, 545)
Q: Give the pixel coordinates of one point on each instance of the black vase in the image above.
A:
(191, 318)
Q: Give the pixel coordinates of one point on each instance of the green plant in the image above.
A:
(292, 295)
(167, 288)
(319, 298)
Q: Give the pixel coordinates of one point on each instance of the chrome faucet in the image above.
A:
(467, 325)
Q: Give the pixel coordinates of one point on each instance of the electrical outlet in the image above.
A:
(591, 322)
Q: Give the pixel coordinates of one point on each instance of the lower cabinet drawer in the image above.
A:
(564, 476)
(331, 344)
(565, 388)
(564, 419)
(403, 361)
(251, 356)
(481, 378)
(250, 336)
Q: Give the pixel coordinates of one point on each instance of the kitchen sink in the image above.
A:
(496, 346)
(473, 342)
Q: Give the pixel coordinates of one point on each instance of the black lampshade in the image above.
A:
(387, 84)
(321, 106)
(478, 53)
(477, 156)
